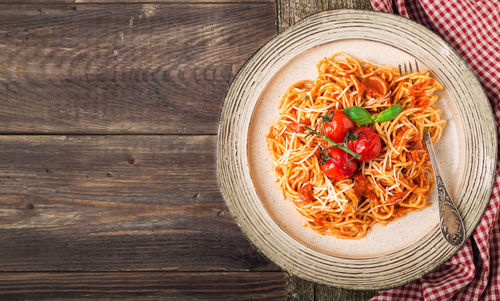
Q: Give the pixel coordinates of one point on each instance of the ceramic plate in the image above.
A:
(389, 255)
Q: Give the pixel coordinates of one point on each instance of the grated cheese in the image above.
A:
(332, 195)
(296, 134)
(392, 187)
(310, 110)
(395, 176)
(376, 184)
(282, 131)
(343, 92)
(309, 155)
(387, 154)
(377, 169)
(284, 158)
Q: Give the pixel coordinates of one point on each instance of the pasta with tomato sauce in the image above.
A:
(347, 147)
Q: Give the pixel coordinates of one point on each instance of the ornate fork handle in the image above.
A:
(452, 225)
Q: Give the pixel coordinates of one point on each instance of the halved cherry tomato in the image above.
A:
(368, 143)
(337, 168)
(375, 86)
(338, 127)
(306, 193)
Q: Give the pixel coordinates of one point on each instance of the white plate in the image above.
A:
(404, 249)
(381, 239)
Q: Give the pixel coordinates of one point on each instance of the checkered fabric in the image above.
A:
(473, 29)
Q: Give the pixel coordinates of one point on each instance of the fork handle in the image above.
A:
(452, 226)
(450, 221)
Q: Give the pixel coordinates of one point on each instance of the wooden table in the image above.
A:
(108, 123)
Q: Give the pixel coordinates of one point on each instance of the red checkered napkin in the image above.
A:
(473, 29)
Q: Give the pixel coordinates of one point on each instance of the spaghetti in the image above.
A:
(398, 180)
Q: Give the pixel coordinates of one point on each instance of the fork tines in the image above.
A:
(408, 68)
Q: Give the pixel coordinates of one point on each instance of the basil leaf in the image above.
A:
(358, 114)
(389, 114)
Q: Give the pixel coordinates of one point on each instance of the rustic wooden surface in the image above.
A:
(290, 12)
(107, 137)
(141, 286)
(101, 203)
(123, 68)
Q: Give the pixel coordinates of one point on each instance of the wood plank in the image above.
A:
(113, 203)
(288, 13)
(324, 292)
(142, 285)
(169, 1)
(127, 1)
(298, 289)
(123, 68)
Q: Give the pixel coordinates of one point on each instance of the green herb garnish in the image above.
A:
(361, 116)
(351, 136)
(389, 114)
(347, 150)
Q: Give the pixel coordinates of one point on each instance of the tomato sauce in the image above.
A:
(361, 87)
(295, 127)
(306, 193)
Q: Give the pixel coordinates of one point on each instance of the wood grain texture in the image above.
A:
(298, 289)
(123, 68)
(302, 290)
(324, 292)
(142, 285)
(127, 1)
(288, 13)
(114, 203)
(170, 1)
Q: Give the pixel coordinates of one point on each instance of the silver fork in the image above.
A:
(450, 221)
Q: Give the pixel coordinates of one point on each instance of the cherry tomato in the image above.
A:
(306, 193)
(368, 143)
(375, 86)
(337, 168)
(338, 127)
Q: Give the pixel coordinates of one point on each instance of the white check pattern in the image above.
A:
(473, 29)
